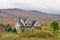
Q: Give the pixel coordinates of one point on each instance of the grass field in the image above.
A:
(9, 35)
(29, 35)
(57, 34)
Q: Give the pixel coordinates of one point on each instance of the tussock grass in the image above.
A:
(8, 35)
(38, 33)
(29, 35)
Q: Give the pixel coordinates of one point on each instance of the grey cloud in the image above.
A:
(49, 6)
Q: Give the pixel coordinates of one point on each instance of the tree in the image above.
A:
(14, 30)
(8, 28)
(54, 25)
(1, 25)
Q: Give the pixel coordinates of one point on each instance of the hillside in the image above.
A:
(11, 15)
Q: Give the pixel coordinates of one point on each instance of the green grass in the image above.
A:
(9, 35)
(29, 35)
(18, 31)
(57, 34)
(38, 33)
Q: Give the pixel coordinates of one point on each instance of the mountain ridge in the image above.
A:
(14, 13)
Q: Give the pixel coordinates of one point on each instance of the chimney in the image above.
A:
(19, 19)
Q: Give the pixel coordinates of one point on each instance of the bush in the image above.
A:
(54, 25)
(1, 25)
(8, 28)
(14, 30)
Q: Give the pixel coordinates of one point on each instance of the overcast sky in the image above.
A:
(50, 6)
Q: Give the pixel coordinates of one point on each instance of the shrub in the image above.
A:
(54, 25)
(1, 25)
(8, 28)
(14, 30)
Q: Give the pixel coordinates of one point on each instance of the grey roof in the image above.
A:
(33, 22)
(24, 18)
(21, 23)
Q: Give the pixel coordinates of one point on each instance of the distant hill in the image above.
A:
(37, 11)
(32, 14)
